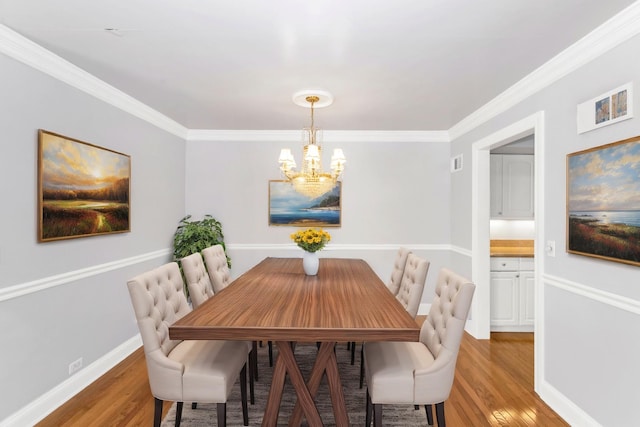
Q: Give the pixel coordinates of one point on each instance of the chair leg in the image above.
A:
(367, 420)
(222, 414)
(243, 394)
(440, 414)
(353, 353)
(157, 412)
(194, 405)
(253, 356)
(252, 398)
(270, 345)
(377, 415)
(427, 409)
(178, 413)
(361, 365)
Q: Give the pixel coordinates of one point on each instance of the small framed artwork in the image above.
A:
(603, 202)
(606, 109)
(83, 189)
(289, 208)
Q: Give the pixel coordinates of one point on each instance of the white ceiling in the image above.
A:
(390, 65)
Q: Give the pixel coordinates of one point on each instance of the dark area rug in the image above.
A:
(393, 415)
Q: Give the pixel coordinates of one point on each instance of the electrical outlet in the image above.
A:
(75, 366)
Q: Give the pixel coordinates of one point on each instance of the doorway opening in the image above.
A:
(479, 325)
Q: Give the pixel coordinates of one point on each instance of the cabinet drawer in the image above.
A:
(526, 264)
(505, 264)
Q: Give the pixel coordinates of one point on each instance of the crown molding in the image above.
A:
(328, 136)
(607, 36)
(24, 50)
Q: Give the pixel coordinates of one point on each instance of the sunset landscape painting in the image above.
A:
(603, 202)
(83, 189)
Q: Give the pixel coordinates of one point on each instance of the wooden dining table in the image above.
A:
(275, 301)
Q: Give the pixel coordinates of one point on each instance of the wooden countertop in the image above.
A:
(512, 248)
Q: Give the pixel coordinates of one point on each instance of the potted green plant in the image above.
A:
(194, 236)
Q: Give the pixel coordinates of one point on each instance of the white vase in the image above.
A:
(310, 263)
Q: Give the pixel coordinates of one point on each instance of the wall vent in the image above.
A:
(456, 163)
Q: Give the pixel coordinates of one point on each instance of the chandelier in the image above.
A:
(311, 180)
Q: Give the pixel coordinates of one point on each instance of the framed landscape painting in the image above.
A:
(289, 208)
(83, 189)
(603, 202)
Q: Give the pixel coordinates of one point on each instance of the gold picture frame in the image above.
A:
(83, 189)
(603, 202)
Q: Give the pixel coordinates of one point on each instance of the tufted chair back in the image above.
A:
(216, 262)
(442, 331)
(398, 270)
(158, 301)
(412, 283)
(198, 282)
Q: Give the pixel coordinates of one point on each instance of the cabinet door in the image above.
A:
(504, 298)
(495, 188)
(517, 186)
(527, 298)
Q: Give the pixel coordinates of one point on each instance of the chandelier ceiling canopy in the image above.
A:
(311, 180)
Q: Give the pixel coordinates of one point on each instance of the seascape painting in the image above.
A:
(603, 202)
(83, 189)
(289, 208)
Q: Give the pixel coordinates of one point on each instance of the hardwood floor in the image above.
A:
(493, 387)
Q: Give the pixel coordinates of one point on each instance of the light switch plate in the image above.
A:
(550, 248)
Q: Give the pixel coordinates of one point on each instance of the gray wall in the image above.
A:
(591, 307)
(393, 193)
(63, 300)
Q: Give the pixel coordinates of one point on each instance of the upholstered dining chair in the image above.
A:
(191, 371)
(393, 285)
(216, 261)
(410, 292)
(421, 373)
(412, 284)
(197, 278)
(398, 270)
(200, 290)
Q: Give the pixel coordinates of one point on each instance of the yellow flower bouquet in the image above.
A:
(311, 240)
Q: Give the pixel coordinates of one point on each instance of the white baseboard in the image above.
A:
(54, 398)
(564, 407)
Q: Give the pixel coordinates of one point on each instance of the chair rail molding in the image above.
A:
(64, 278)
(608, 298)
(340, 247)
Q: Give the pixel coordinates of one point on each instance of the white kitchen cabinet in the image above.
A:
(512, 294)
(512, 186)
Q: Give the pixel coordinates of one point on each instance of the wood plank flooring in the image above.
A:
(493, 387)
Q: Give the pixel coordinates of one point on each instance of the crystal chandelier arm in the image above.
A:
(338, 161)
(286, 160)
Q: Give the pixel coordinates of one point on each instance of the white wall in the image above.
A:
(63, 300)
(393, 194)
(591, 307)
